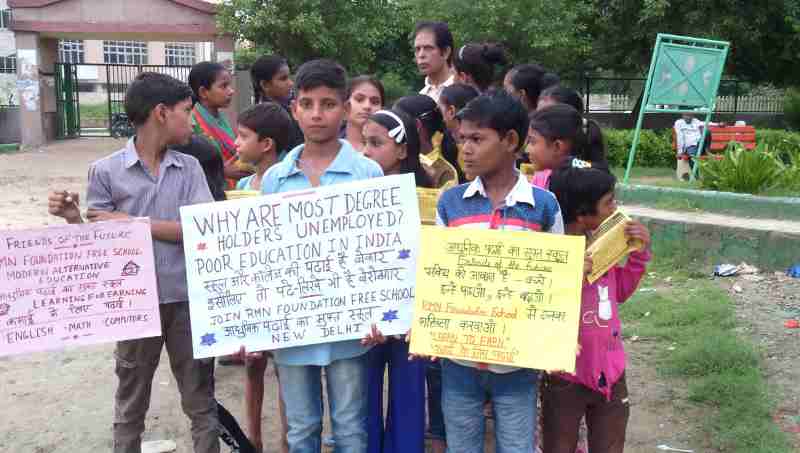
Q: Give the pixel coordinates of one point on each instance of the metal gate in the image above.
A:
(90, 98)
(68, 114)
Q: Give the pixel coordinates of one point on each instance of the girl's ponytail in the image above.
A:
(594, 149)
(263, 70)
(562, 121)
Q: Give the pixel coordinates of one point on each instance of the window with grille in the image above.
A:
(125, 52)
(70, 51)
(5, 18)
(8, 65)
(179, 54)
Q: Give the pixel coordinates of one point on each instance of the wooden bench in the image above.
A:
(721, 136)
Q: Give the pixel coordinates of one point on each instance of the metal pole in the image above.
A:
(635, 143)
(735, 98)
(108, 98)
(700, 146)
(588, 84)
(642, 109)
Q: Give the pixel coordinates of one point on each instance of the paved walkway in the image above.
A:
(782, 226)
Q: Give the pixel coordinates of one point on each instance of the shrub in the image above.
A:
(791, 176)
(791, 108)
(742, 171)
(655, 146)
(782, 143)
(654, 150)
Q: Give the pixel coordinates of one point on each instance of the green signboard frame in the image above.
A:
(684, 77)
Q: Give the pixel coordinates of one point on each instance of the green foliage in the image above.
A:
(623, 32)
(352, 31)
(790, 180)
(654, 149)
(791, 108)
(570, 36)
(94, 111)
(712, 354)
(543, 31)
(395, 87)
(781, 142)
(742, 170)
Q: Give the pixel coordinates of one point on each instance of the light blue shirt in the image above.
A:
(348, 166)
(244, 183)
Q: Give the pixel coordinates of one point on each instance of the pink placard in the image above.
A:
(77, 285)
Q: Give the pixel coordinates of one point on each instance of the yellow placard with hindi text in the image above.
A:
(503, 297)
(427, 204)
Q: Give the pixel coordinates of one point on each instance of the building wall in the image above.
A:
(8, 82)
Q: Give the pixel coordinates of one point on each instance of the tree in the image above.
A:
(763, 34)
(570, 37)
(351, 31)
(541, 31)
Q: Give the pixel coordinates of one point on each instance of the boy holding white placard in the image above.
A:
(322, 160)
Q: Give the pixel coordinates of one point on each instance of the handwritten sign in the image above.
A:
(503, 297)
(301, 268)
(610, 245)
(77, 285)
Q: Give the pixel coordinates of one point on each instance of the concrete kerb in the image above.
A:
(9, 147)
(737, 204)
(704, 240)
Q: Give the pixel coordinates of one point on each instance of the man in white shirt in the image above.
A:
(433, 53)
(688, 131)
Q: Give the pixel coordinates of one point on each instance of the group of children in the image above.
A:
(460, 134)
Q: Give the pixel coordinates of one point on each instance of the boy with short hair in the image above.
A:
(261, 137)
(492, 131)
(319, 109)
(148, 179)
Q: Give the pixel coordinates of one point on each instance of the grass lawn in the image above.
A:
(665, 177)
(94, 111)
(695, 322)
(658, 176)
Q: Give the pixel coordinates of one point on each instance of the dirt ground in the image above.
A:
(764, 302)
(61, 402)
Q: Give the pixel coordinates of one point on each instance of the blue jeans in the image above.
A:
(404, 430)
(433, 375)
(347, 390)
(513, 397)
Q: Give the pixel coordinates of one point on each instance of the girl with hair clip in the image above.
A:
(476, 64)
(365, 95)
(526, 82)
(559, 136)
(212, 90)
(438, 150)
(272, 82)
(391, 140)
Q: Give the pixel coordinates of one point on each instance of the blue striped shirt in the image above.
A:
(525, 208)
(121, 182)
(348, 166)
